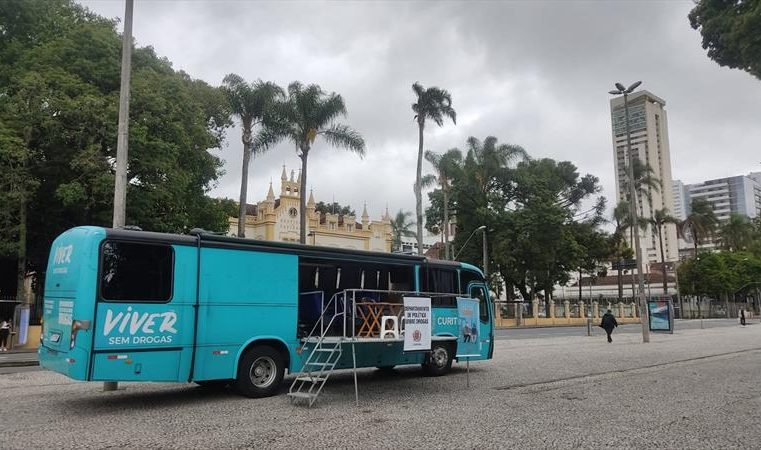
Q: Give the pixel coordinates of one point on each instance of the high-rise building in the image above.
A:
(650, 144)
(732, 195)
(681, 200)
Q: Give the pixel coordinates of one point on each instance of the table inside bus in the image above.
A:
(370, 313)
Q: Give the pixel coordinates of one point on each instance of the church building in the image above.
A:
(277, 219)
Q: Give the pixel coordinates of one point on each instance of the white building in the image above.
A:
(650, 143)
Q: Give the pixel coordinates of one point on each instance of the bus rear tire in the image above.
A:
(260, 372)
(439, 361)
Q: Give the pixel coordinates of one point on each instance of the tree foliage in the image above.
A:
(433, 104)
(400, 227)
(309, 112)
(719, 273)
(59, 91)
(731, 32)
(334, 208)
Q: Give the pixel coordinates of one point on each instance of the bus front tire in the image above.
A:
(260, 372)
(439, 361)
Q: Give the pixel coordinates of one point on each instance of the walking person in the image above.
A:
(608, 323)
(5, 331)
(742, 316)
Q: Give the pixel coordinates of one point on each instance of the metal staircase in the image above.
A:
(324, 353)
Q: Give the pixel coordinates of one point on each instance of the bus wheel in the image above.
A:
(439, 360)
(260, 372)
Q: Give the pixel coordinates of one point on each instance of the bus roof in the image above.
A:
(214, 240)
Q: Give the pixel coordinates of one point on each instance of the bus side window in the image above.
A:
(443, 281)
(136, 272)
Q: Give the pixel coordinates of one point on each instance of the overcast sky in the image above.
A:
(531, 73)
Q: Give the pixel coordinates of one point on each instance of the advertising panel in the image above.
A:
(468, 342)
(661, 313)
(417, 324)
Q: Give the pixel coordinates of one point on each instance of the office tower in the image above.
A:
(681, 199)
(650, 144)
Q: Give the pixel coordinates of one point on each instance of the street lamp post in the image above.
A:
(481, 228)
(621, 90)
(122, 138)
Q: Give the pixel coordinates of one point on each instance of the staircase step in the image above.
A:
(311, 379)
(319, 364)
(306, 395)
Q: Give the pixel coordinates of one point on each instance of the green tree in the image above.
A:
(485, 187)
(730, 31)
(446, 166)
(253, 104)
(59, 90)
(334, 208)
(400, 227)
(535, 243)
(660, 218)
(434, 104)
(736, 233)
(700, 223)
(309, 112)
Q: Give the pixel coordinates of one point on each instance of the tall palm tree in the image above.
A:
(490, 157)
(309, 112)
(434, 104)
(660, 218)
(252, 103)
(400, 226)
(701, 223)
(446, 167)
(736, 233)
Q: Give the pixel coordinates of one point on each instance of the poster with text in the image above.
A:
(417, 324)
(468, 342)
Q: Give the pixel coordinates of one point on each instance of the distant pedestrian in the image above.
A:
(608, 323)
(742, 317)
(5, 331)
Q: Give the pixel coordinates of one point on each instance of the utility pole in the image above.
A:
(122, 139)
(644, 314)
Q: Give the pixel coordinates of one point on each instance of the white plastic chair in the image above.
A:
(394, 330)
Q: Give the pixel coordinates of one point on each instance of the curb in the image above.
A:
(19, 364)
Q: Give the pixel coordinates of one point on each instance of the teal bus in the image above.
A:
(130, 305)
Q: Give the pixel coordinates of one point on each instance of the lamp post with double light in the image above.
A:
(644, 314)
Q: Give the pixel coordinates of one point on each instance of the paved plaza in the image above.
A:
(694, 389)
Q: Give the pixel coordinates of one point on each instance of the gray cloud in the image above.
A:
(530, 73)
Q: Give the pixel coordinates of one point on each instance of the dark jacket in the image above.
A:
(608, 322)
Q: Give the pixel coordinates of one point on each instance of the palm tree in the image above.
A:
(446, 167)
(737, 233)
(490, 157)
(660, 218)
(309, 112)
(400, 226)
(623, 219)
(645, 181)
(252, 103)
(701, 223)
(435, 104)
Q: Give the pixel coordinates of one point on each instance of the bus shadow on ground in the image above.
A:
(170, 396)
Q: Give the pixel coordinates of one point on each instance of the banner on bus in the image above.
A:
(468, 343)
(417, 324)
